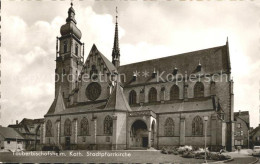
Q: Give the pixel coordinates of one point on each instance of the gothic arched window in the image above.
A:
(199, 90)
(174, 92)
(48, 129)
(169, 127)
(108, 125)
(67, 127)
(76, 49)
(84, 128)
(132, 97)
(197, 126)
(152, 97)
(65, 46)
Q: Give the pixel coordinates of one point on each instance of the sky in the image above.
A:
(147, 30)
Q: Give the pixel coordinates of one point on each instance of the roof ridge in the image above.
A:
(173, 55)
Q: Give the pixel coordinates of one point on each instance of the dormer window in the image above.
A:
(65, 46)
(114, 76)
(175, 71)
(134, 77)
(199, 67)
(154, 73)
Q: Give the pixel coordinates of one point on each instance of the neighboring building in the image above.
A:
(255, 137)
(242, 128)
(30, 129)
(139, 109)
(250, 130)
(10, 139)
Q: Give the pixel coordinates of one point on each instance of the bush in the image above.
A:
(188, 154)
(175, 152)
(183, 149)
(169, 150)
(194, 152)
(195, 148)
(200, 153)
(218, 157)
(164, 150)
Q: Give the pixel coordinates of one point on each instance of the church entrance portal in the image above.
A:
(139, 135)
(67, 143)
(145, 141)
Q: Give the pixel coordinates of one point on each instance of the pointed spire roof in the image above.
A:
(58, 104)
(116, 50)
(228, 56)
(117, 100)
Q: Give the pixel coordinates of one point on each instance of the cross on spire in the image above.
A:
(116, 14)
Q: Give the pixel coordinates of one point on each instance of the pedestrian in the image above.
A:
(221, 151)
(238, 149)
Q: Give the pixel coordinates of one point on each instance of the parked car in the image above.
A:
(256, 151)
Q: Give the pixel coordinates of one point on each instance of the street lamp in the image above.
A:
(206, 120)
(16, 142)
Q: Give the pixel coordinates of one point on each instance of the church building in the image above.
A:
(102, 105)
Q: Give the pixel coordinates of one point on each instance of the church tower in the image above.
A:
(116, 51)
(69, 57)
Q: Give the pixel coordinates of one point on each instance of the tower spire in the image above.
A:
(116, 50)
(70, 26)
(71, 14)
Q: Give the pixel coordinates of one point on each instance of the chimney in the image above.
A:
(239, 112)
(16, 122)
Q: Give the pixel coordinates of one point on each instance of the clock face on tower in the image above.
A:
(93, 91)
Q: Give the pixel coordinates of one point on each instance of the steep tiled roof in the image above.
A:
(58, 104)
(202, 104)
(212, 60)
(27, 121)
(10, 133)
(108, 64)
(15, 126)
(254, 131)
(81, 108)
(117, 100)
(243, 115)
